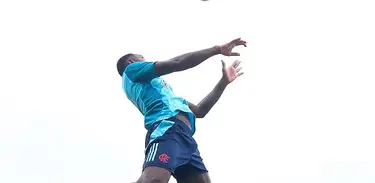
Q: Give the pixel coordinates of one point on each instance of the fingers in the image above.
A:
(226, 49)
(234, 40)
(239, 42)
(236, 63)
(238, 70)
(243, 43)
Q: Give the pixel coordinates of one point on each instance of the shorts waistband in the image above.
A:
(176, 122)
(182, 124)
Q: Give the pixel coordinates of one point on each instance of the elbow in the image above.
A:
(201, 114)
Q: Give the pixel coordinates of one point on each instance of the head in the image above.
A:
(127, 59)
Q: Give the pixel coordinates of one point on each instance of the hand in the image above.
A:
(226, 49)
(232, 72)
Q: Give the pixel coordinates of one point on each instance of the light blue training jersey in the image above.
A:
(152, 96)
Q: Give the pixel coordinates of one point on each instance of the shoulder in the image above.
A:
(138, 66)
(140, 71)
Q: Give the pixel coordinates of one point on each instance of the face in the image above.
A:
(136, 58)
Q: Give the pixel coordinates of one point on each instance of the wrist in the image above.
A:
(217, 50)
(223, 82)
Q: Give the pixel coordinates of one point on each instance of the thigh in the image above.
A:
(199, 178)
(194, 168)
(155, 175)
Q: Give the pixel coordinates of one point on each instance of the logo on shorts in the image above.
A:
(164, 158)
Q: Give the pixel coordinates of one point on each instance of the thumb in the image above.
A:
(235, 54)
(223, 64)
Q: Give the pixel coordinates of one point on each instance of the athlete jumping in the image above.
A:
(170, 148)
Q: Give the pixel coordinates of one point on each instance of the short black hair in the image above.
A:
(121, 63)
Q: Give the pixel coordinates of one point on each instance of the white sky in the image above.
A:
(303, 111)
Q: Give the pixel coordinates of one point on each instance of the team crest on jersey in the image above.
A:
(163, 83)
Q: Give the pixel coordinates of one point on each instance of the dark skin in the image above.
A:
(229, 75)
(192, 59)
(184, 62)
(201, 178)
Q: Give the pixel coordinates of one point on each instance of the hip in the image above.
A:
(172, 128)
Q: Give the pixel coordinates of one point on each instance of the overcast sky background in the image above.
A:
(303, 112)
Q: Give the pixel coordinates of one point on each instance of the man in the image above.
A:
(169, 119)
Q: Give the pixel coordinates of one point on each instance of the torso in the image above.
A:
(183, 117)
(156, 101)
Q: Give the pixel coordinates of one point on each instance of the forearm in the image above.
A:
(192, 59)
(210, 100)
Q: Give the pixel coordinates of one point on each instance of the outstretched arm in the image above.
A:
(143, 71)
(209, 101)
(190, 60)
(185, 61)
(229, 75)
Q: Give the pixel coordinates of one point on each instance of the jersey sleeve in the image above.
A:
(141, 71)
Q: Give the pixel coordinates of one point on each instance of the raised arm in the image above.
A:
(143, 71)
(185, 61)
(192, 59)
(229, 75)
